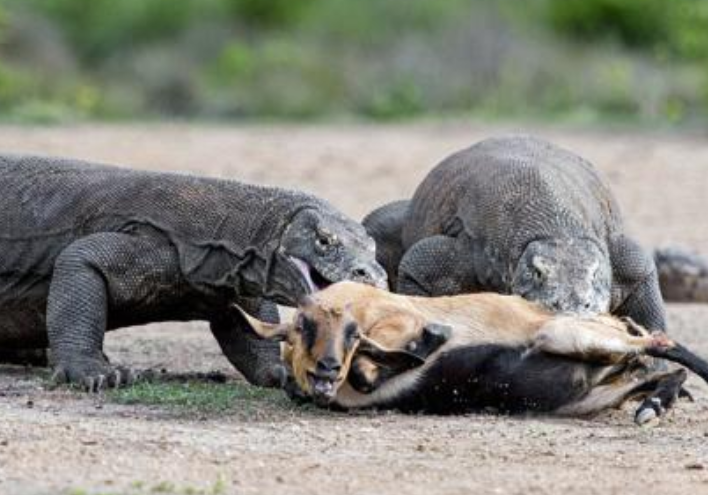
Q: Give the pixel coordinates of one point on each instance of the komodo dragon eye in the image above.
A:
(325, 240)
(539, 269)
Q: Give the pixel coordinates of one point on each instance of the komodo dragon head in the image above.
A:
(565, 275)
(321, 247)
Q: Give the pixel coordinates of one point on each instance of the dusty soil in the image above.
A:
(65, 442)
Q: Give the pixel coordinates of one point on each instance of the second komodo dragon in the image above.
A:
(518, 215)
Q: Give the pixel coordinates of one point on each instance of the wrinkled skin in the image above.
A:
(90, 248)
(564, 275)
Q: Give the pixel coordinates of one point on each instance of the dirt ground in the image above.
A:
(65, 442)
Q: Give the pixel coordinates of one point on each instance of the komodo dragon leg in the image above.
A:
(257, 359)
(635, 290)
(438, 266)
(91, 276)
(109, 280)
(385, 225)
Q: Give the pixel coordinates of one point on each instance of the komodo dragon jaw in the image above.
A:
(321, 248)
(314, 280)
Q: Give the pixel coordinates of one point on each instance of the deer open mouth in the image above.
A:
(322, 389)
(314, 280)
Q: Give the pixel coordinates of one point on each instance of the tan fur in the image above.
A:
(602, 339)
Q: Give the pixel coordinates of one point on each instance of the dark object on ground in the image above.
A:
(683, 274)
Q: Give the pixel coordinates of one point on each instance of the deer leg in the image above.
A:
(599, 340)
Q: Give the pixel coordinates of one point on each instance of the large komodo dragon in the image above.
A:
(87, 248)
(518, 215)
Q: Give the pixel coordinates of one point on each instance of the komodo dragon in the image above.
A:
(518, 215)
(87, 248)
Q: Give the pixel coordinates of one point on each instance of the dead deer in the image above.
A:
(355, 346)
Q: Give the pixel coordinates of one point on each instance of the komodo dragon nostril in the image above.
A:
(360, 273)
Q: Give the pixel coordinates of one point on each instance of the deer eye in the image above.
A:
(351, 334)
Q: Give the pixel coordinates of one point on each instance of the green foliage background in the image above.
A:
(382, 59)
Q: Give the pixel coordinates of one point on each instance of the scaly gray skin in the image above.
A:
(683, 274)
(88, 248)
(518, 215)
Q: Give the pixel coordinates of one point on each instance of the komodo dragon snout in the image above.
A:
(565, 275)
(320, 248)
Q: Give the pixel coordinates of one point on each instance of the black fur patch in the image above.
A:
(498, 378)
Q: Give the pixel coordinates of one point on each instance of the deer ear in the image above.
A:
(268, 331)
(394, 360)
(434, 335)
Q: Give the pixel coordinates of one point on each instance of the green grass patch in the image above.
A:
(200, 397)
(218, 487)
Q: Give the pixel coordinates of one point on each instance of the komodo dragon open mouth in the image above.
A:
(315, 280)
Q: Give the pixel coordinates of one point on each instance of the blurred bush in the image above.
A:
(676, 29)
(379, 59)
(638, 23)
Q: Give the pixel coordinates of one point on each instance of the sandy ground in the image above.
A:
(65, 442)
